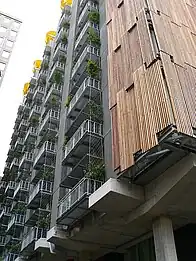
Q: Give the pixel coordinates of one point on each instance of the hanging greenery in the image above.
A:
(95, 110)
(68, 100)
(66, 25)
(57, 78)
(34, 121)
(95, 170)
(92, 68)
(43, 222)
(45, 66)
(62, 59)
(48, 175)
(93, 37)
(65, 141)
(64, 39)
(93, 16)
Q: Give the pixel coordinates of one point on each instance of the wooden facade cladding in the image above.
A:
(152, 72)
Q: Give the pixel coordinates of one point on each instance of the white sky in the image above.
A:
(38, 17)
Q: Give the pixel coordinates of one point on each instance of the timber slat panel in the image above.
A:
(130, 20)
(115, 139)
(148, 52)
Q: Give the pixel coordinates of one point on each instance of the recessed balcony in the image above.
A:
(89, 52)
(28, 242)
(3, 185)
(39, 93)
(11, 186)
(90, 133)
(83, 17)
(51, 121)
(11, 149)
(84, 34)
(35, 112)
(89, 89)
(10, 257)
(21, 190)
(19, 143)
(60, 34)
(30, 135)
(14, 165)
(42, 75)
(16, 223)
(20, 203)
(55, 90)
(60, 50)
(23, 124)
(26, 108)
(38, 174)
(5, 215)
(58, 66)
(26, 161)
(32, 216)
(45, 154)
(2, 241)
(40, 194)
(7, 168)
(75, 204)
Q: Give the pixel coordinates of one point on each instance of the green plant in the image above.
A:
(67, 12)
(20, 209)
(47, 175)
(93, 17)
(43, 222)
(68, 100)
(62, 59)
(95, 110)
(34, 121)
(14, 248)
(95, 170)
(57, 78)
(66, 25)
(65, 141)
(54, 102)
(64, 39)
(45, 66)
(92, 68)
(93, 37)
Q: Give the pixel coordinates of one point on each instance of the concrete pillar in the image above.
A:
(165, 248)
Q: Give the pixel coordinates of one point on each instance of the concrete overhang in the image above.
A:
(116, 196)
(42, 245)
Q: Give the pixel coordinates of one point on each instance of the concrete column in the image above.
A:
(165, 248)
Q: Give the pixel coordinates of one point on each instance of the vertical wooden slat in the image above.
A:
(115, 139)
(130, 14)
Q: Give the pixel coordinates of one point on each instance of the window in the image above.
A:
(5, 54)
(2, 29)
(9, 43)
(13, 33)
(2, 66)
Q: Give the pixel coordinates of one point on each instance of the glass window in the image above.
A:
(5, 54)
(2, 29)
(13, 33)
(9, 43)
(2, 66)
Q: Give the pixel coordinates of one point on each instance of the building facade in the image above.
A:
(9, 28)
(102, 159)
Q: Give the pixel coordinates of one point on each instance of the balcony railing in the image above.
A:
(27, 157)
(59, 48)
(3, 185)
(22, 186)
(57, 66)
(55, 89)
(10, 186)
(51, 115)
(5, 211)
(39, 92)
(42, 186)
(10, 257)
(23, 123)
(87, 84)
(35, 110)
(2, 241)
(31, 132)
(15, 162)
(89, 50)
(17, 220)
(20, 141)
(47, 147)
(33, 235)
(88, 126)
(81, 191)
(90, 6)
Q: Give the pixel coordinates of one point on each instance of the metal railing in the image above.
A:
(31, 130)
(42, 186)
(51, 114)
(48, 147)
(11, 185)
(88, 82)
(88, 49)
(2, 240)
(84, 188)
(5, 211)
(10, 257)
(89, 5)
(3, 184)
(61, 46)
(87, 126)
(17, 219)
(34, 234)
(54, 87)
(15, 162)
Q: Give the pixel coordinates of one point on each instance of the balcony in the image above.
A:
(42, 75)
(55, 90)
(58, 66)
(83, 17)
(19, 143)
(50, 121)
(89, 52)
(3, 185)
(22, 190)
(31, 135)
(26, 161)
(35, 112)
(2, 241)
(16, 223)
(10, 257)
(23, 125)
(26, 108)
(83, 36)
(60, 34)
(64, 18)
(45, 154)
(7, 168)
(14, 165)
(5, 215)
(39, 93)
(60, 50)
(9, 191)
(30, 93)
(38, 174)
(75, 204)
(89, 133)
(40, 194)
(28, 242)
(18, 204)
(32, 216)
(11, 150)
(89, 89)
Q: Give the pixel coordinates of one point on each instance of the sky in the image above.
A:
(38, 17)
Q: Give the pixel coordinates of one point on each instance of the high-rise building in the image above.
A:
(102, 159)
(9, 28)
